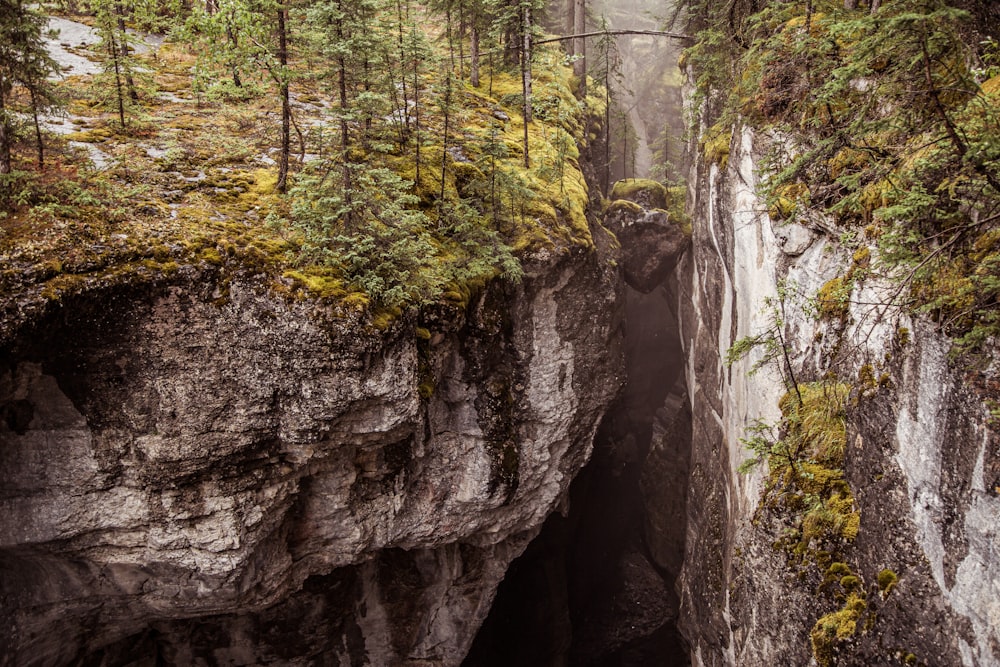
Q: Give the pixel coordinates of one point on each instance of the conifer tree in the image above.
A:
(24, 62)
(119, 69)
(257, 36)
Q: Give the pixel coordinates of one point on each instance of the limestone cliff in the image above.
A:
(202, 471)
(919, 582)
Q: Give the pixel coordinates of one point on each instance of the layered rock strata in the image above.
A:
(201, 471)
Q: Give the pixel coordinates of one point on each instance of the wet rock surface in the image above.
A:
(651, 243)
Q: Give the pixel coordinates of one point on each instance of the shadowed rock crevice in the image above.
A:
(596, 588)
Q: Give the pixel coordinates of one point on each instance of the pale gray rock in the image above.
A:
(923, 455)
(793, 239)
(200, 475)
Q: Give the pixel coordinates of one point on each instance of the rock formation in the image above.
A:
(198, 470)
(918, 582)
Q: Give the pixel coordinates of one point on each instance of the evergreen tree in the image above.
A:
(116, 84)
(24, 62)
(256, 39)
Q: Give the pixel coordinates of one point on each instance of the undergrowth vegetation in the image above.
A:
(888, 123)
(807, 494)
(389, 203)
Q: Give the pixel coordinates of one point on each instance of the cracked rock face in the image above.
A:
(922, 456)
(246, 482)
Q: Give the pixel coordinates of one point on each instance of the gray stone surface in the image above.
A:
(922, 458)
(230, 477)
(652, 244)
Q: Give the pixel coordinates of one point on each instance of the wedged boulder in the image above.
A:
(643, 191)
(651, 243)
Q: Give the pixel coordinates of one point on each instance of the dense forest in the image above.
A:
(376, 153)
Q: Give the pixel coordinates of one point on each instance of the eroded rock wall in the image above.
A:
(922, 453)
(200, 471)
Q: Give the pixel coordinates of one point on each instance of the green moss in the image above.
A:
(836, 627)
(818, 421)
(838, 569)
(833, 299)
(786, 199)
(887, 580)
(385, 317)
(211, 256)
(324, 285)
(862, 257)
(63, 284)
(91, 136)
(623, 206)
(846, 160)
(677, 209)
(866, 377)
(902, 336)
(716, 142)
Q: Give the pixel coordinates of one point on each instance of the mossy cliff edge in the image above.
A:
(219, 446)
(864, 534)
(194, 454)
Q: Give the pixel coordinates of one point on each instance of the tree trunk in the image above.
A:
(113, 48)
(416, 114)
(129, 82)
(850, 4)
(607, 122)
(580, 45)
(526, 76)
(5, 134)
(875, 5)
(474, 56)
(234, 68)
(447, 101)
(571, 25)
(38, 129)
(286, 109)
(345, 137)
(461, 40)
(402, 67)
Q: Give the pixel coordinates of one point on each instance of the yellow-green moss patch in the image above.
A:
(650, 192)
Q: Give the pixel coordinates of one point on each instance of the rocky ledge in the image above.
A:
(198, 471)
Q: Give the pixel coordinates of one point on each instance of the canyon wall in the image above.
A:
(921, 577)
(199, 470)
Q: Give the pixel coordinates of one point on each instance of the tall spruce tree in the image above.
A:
(251, 36)
(116, 86)
(25, 63)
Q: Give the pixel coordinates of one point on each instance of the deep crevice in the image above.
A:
(596, 587)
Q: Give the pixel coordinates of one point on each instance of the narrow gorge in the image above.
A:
(697, 369)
